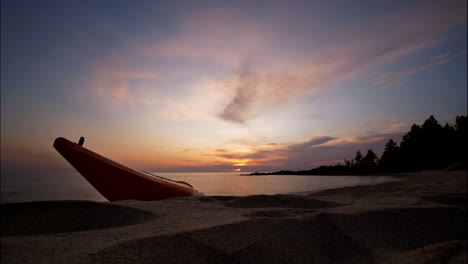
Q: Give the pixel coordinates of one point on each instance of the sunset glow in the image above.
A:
(208, 86)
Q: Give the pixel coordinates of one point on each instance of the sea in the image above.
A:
(72, 186)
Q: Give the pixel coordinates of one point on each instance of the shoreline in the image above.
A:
(421, 219)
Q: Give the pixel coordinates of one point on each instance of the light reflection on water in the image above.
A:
(231, 184)
(72, 186)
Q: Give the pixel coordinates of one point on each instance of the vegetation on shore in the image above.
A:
(428, 146)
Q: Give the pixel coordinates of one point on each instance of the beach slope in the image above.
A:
(420, 219)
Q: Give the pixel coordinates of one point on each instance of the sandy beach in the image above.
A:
(420, 219)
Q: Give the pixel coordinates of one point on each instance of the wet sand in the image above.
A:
(421, 219)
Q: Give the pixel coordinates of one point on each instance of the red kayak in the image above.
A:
(117, 182)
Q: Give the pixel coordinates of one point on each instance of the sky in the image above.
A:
(179, 86)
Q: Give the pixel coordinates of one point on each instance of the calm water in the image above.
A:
(72, 186)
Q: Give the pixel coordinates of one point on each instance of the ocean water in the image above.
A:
(72, 186)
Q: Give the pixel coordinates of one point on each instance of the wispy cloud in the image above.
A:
(388, 80)
(415, 30)
(223, 35)
(238, 108)
(460, 53)
(275, 73)
(441, 56)
(112, 83)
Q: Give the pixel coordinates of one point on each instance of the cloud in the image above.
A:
(313, 152)
(441, 56)
(406, 32)
(353, 140)
(388, 126)
(112, 83)
(318, 141)
(223, 35)
(388, 80)
(238, 108)
(282, 65)
(460, 53)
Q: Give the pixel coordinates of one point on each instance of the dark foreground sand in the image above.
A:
(421, 219)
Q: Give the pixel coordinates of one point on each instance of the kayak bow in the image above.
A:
(116, 181)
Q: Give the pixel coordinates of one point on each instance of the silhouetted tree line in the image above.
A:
(429, 146)
(426, 146)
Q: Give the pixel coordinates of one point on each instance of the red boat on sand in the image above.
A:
(116, 181)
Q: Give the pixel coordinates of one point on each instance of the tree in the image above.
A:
(461, 124)
(461, 131)
(424, 147)
(358, 159)
(348, 162)
(431, 123)
(449, 145)
(371, 159)
(391, 157)
(410, 146)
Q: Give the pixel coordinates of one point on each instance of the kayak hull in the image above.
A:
(116, 181)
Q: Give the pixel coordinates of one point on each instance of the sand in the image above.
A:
(421, 219)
